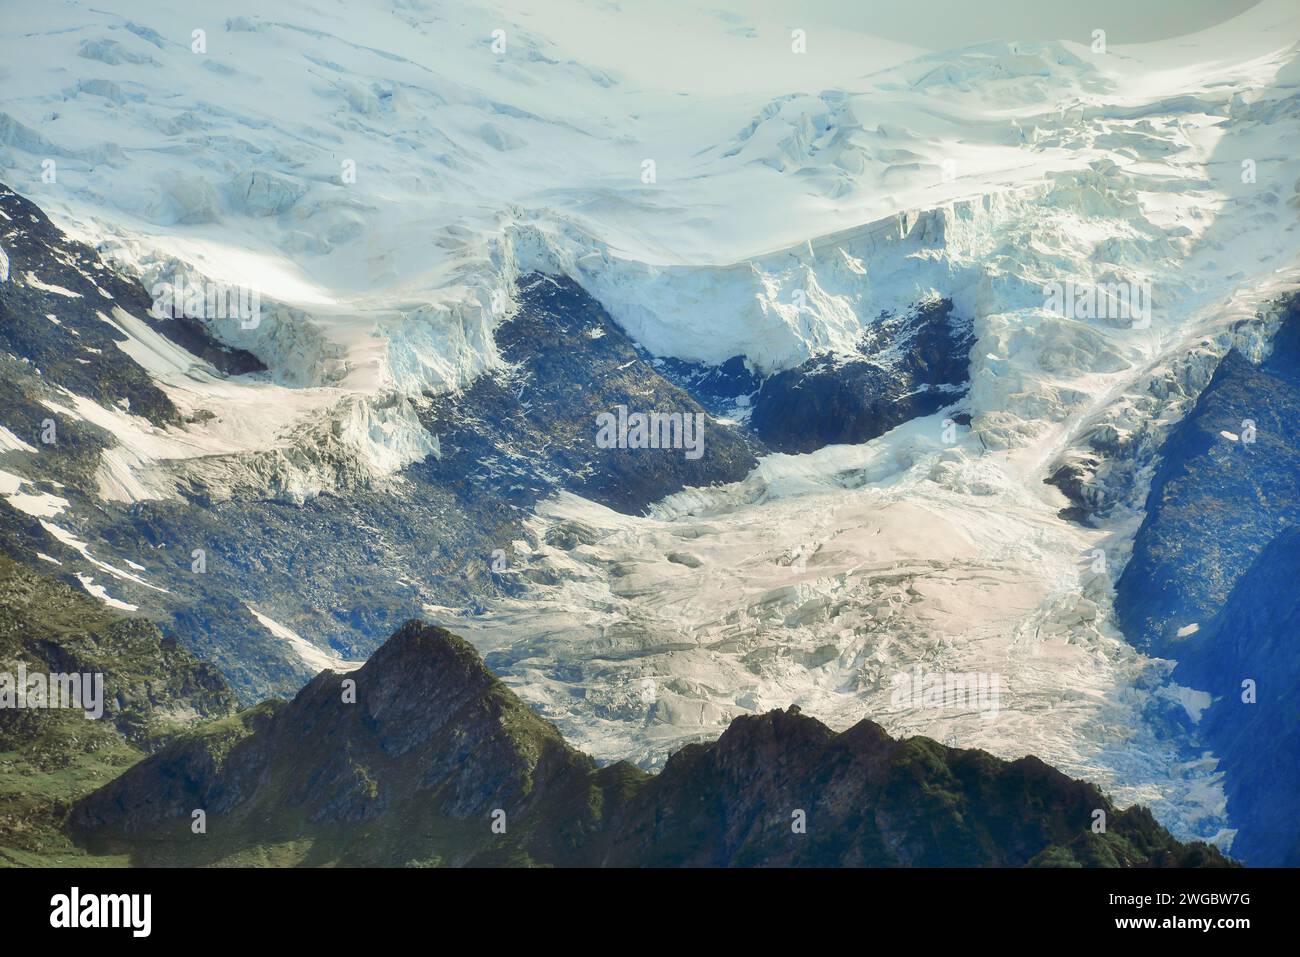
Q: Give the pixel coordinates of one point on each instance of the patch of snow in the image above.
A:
(11, 443)
(47, 287)
(313, 657)
(1195, 702)
(100, 592)
(70, 540)
(36, 504)
(39, 504)
(154, 352)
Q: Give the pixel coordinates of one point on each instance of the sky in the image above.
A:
(704, 47)
(942, 24)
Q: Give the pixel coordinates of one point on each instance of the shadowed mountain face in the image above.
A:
(429, 759)
(532, 430)
(911, 365)
(1227, 484)
(1212, 583)
(1246, 659)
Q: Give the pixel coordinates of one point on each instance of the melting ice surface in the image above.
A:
(815, 582)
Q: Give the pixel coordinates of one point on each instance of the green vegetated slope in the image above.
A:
(412, 760)
(50, 758)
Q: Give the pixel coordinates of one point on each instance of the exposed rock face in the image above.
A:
(533, 431)
(1227, 484)
(725, 389)
(1246, 658)
(1211, 583)
(74, 285)
(435, 750)
(911, 365)
(1074, 478)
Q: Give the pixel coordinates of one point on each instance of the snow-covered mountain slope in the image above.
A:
(471, 165)
(144, 490)
(383, 174)
(980, 175)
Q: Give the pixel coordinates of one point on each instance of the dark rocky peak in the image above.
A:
(417, 685)
(907, 365)
(422, 734)
(436, 751)
(783, 789)
(50, 275)
(533, 430)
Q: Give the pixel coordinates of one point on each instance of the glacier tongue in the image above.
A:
(819, 580)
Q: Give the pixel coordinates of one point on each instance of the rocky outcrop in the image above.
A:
(1246, 658)
(910, 365)
(435, 761)
(533, 430)
(726, 389)
(1227, 483)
